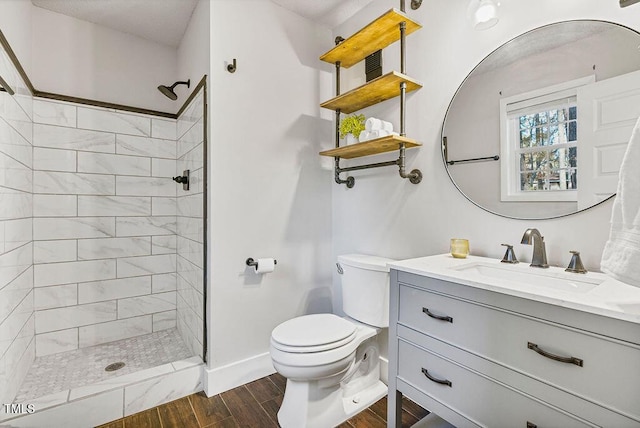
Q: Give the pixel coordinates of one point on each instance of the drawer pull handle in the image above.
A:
(438, 317)
(436, 380)
(531, 425)
(570, 360)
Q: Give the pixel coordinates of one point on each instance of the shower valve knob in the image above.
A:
(183, 179)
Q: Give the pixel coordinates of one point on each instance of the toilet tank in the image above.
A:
(365, 288)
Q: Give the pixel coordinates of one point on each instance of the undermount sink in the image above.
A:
(548, 278)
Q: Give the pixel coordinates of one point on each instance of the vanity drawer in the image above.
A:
(610, 370)
(474, 396)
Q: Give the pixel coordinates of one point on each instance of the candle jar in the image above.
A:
(459, 248)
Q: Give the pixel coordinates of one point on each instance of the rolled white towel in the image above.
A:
(374, 134)
(372, 124)
(364, 136)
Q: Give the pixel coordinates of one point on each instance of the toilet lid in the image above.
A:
(313, 333)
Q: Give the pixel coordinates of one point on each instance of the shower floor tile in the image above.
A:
(86, 366)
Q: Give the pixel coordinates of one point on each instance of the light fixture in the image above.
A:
(483, 14)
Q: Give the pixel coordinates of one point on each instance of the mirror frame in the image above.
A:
(442, 136)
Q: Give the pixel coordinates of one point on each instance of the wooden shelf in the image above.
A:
(372, 147)
(377, 35)
(379, 89)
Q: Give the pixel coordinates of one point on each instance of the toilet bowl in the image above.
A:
(332, 363)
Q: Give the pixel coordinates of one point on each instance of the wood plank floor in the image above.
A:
(252, 405)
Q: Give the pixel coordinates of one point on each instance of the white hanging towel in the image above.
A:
(621, 255)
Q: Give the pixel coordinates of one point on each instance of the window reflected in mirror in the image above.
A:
(557, 104)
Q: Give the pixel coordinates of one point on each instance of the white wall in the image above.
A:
(391, 217)
(15, 23)
(77, 58)
(193, 52)
(268, 195)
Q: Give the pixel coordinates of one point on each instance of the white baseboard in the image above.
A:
(221, 379)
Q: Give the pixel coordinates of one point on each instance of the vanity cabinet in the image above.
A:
(479, 358)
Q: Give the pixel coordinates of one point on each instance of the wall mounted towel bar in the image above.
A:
(445, 152)
(486, 158)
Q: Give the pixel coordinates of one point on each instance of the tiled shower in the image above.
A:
(101, 252)
(104, 226)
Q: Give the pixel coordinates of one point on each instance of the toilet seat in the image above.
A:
(307, 357)
(313, 333)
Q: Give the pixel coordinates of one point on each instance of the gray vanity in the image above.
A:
(484, 344)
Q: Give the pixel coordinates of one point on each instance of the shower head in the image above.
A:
(169, 92)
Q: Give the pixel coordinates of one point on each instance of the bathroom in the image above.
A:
(269, 194)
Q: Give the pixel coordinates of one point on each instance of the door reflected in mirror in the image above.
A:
(538, 129)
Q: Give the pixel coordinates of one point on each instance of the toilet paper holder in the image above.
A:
(253, 263)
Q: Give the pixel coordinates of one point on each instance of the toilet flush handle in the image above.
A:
(340, 271)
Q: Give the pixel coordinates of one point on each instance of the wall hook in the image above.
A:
(231, 68)
(415, 4)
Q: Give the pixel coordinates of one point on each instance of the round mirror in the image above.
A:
(538, 129)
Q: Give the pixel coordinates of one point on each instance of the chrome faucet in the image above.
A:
(539, 258)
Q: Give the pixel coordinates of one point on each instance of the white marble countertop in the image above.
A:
(610, 298)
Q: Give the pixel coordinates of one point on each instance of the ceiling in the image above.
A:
(165, 21)
(162, 21)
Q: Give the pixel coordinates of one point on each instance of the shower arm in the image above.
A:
(180, 83)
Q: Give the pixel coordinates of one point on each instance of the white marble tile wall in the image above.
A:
(189, 227)
(17, 321)
(104, 225)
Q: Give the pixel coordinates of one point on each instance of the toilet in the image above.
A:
(332, 363)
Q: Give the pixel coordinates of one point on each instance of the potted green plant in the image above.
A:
(351, 127)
